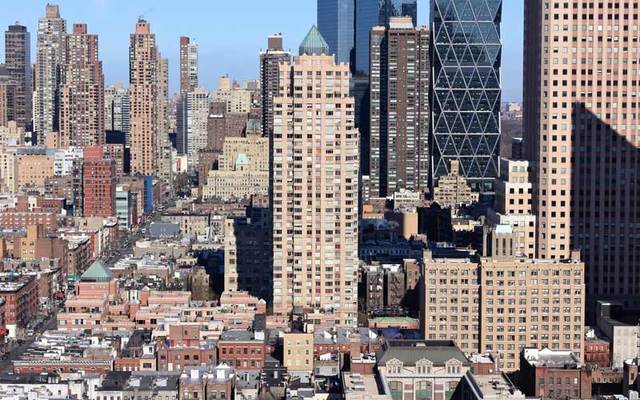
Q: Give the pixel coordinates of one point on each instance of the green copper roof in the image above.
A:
(97, 272)
(314, 43)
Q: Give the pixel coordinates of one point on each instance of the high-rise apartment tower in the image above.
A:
(314, 193)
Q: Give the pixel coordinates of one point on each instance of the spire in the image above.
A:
(314, 43)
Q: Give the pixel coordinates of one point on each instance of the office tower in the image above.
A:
(336, 24)
(143, 86)
(17, 48)
(192, 131)
(117, 110)
(270, 61)
(188, 65)
(466, 89)
(314, 193)
(98, 183)
(50, 56)
(399, 108)
(370, 13)
(81, 91)
(581, 136)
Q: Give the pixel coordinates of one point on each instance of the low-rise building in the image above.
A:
(298, 352)
(620, 325)
(20, 294)
(486, 387)
(243, 350)
(552, 374)
(183, 348)
(421, 369)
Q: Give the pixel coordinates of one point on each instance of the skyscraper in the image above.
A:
(466, 89)
(270, 61)
(17, 47)
(143, 85)
(336, 24)
(192, 130)
(399, 108)
(163, 144)
(314, 187)
(117, 109)
(50, 56)
(370, 13)
(581, 136)
(188, 65)
(81, 91)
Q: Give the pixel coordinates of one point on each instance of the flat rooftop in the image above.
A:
(496, 386)
(359, 383)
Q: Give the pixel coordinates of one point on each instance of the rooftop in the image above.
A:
(494, 387)
(551, 359)
(358, 383)
(314, 43)
(97, 272)
(411, 351)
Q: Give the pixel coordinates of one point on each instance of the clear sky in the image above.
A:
(230, 34)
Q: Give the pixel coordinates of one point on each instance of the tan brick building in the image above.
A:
(243, 169)
(500, 307)
(581, 134)
(33, 169)
(453, 189)
(143, 80)
(298, 352)
(315, 187)
(82, 91)
(513, 205)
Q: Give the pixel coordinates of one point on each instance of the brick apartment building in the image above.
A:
(21, 297)
(99, 183)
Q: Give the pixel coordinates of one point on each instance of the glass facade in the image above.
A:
(466, 88)
(336, 24)
(370, 13)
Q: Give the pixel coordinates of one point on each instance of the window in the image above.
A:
(396, 390)
(424, 391)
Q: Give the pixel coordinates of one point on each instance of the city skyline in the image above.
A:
(358, 211)
(111, 20)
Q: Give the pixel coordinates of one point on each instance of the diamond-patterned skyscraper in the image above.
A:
(466, 88)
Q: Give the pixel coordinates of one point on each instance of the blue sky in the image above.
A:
(230, 34)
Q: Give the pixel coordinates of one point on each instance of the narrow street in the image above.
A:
(5, 363)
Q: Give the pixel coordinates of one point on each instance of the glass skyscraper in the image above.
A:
(466, 88)
(370, 13)
(336, 24)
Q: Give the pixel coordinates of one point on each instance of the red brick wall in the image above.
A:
(242, 355)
